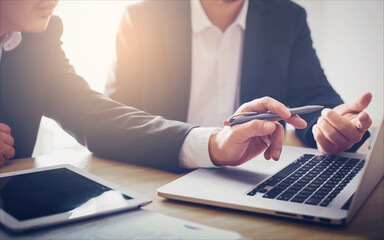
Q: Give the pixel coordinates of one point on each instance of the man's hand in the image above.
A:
(6, 144)
(240, 143)
(339, 129)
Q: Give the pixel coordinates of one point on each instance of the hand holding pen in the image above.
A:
(244, 117)
(236, 144)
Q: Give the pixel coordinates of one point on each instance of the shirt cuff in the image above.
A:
(194, 152)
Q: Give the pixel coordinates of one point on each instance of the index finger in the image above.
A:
(265, 104)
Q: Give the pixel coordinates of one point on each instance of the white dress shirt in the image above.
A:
(216, 63)
(9, 41)
(215, 85)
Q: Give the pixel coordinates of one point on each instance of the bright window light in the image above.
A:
(89, 43)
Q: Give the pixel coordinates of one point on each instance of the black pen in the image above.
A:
(249, 116)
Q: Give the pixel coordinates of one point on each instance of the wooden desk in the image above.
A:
(368, 224)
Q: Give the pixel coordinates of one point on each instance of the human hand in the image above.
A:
(339, 129)
(6, 144)
(237, 144)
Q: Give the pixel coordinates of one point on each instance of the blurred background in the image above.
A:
(347, 35)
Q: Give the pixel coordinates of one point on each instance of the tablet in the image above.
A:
(40, 197)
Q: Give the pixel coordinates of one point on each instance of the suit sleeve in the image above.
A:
(308, 83)
(108, 128)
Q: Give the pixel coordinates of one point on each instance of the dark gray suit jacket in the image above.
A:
(37, 80)
(152, 69)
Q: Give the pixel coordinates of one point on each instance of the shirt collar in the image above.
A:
(10, 41)
(200, 20)
(241, 19)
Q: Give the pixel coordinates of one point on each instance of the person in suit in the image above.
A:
(37, 80)
(196, 61)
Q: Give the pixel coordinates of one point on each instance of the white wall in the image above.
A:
(348, 37)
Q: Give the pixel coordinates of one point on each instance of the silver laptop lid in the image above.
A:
(372, 172)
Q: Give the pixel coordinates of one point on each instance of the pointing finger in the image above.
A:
(361, 103)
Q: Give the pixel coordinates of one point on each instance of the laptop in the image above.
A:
(303, 184)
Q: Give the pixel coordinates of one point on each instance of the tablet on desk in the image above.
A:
(41, 197)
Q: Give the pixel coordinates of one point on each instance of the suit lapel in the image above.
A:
(255, 50)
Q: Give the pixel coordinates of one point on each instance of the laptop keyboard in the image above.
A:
(311, 179)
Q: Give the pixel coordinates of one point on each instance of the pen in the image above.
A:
(249, 116)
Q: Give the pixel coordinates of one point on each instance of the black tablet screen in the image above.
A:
(53, 191)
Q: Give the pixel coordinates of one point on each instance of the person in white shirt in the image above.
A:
(197, 61)
(37, 80)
